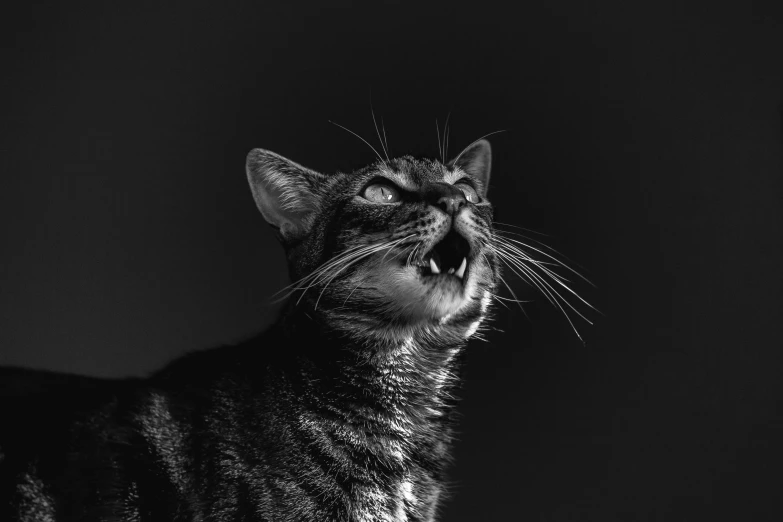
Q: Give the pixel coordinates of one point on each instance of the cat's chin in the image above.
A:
(418, 294)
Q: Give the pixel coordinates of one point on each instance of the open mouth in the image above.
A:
(448, 257)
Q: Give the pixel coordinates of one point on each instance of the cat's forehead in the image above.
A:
(411, 173)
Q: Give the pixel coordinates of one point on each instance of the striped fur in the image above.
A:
(342, 411)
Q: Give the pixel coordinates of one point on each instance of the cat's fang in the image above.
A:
(461, 270)
(434, 266)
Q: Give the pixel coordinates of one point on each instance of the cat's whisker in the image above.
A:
(546, 289)
(315, 273)
(557, 303)
(562, 299)
(446, 137)
(365, 141)
(503, 235)
(416, 250)
(499, 300)
(323, 271)
(397, 242)
(530, 263)
(556, 260)
(333, 261)
(376, 249)
(519, 265)
(355, 288)
(375, 123)
(515, 265)
(532, 279)
(496, 223)
(476, 141)
(506, 261)
(338, 265)
(339, 258)
(516, 255)
(440, 149)
(560, 280)
(510, 300)
(385, 141)
(540, 264)
(508, 241)
(412, 253)
(502, 280)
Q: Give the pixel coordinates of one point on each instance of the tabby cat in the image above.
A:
(342, 411)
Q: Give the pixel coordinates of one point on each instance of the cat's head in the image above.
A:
(406, 239)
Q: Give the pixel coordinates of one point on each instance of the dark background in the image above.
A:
(644, 139)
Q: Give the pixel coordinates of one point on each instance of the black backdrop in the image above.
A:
(645, 141)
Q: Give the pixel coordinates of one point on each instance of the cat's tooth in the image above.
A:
(462, 267)
(434, 267)
(451, 271)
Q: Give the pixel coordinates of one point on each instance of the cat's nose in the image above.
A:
(446, 197)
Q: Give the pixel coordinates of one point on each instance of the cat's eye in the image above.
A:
(470, 192)
(381, 193)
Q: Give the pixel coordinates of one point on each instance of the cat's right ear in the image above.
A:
(285, 192)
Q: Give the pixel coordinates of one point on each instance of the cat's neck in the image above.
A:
(372, 332)
(342, 335)
(397, 378)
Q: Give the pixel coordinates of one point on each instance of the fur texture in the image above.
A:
(342, 411)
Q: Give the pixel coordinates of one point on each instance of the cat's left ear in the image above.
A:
(285, 192)
(476, 161)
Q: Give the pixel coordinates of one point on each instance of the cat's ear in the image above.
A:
(285, 192)
(476, 161)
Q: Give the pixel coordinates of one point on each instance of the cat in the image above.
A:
(343, 410)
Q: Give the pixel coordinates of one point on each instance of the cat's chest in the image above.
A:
(407, 500)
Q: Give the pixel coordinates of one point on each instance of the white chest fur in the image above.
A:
(374, 505)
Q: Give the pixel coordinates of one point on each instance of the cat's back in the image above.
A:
(51, 426)
(108, 449)
(37, 405)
